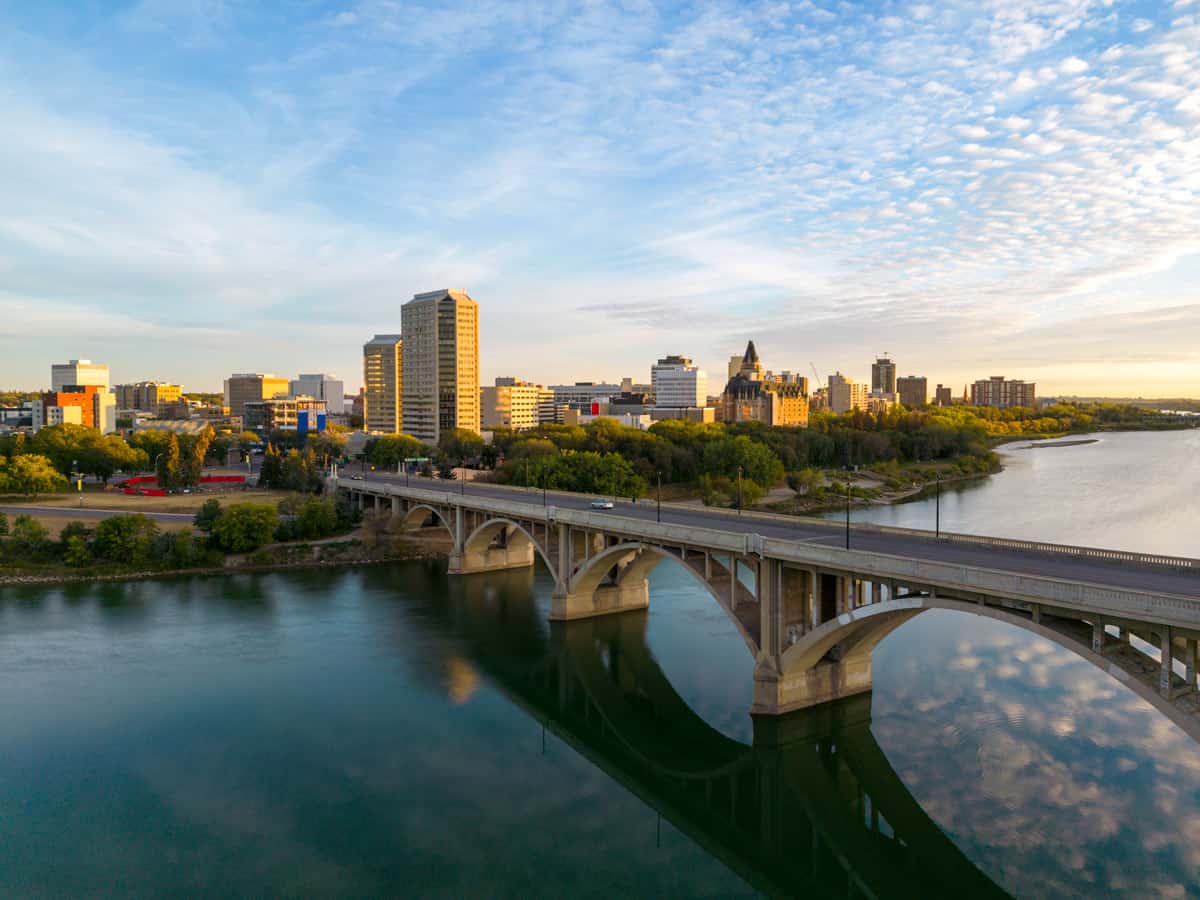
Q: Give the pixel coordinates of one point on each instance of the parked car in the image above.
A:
(602, 504)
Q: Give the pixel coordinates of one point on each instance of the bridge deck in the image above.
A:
(1114, 573)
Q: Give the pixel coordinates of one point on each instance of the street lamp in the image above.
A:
(847, 513)
(462, 469)
(739, 490)
(544, 501)
(658, 512)
(937, 508)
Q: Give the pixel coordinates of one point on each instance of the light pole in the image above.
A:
(937, 508)
(544, 501)
(847, 513)
(739, 490)
(462, 470)
(658, 511)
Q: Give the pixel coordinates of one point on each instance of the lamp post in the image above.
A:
(658, 511)
(462, 470)
(739, 490)
(544, 501)
(937, 508)
(847, 513)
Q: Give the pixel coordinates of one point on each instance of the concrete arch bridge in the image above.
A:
(811, 609)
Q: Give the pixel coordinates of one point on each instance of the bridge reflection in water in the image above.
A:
(812, 807)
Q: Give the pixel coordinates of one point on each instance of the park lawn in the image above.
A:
(56, 521)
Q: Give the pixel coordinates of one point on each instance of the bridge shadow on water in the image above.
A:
(810, 807)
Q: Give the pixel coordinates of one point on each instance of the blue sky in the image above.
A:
(194, 187)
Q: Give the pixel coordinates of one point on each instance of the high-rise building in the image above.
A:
(677, 383)
(1000, 392)
(846, 394)
(78, 373)
(248, 387)
(441, 364)
(883, 376)
(943, 396)
(321, 387)
(516, 404)
(913, 391)
(382, 402)
(748, 396)
(148, 396)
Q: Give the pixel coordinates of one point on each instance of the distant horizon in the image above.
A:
(976, 189)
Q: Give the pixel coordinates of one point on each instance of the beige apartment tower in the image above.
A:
(441, 364)
(382, 362)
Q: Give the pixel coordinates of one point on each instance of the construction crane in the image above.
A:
(816, 374)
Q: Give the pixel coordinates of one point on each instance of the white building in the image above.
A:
(321, 386)
(677, 383)
(77, 372)
(44, 415)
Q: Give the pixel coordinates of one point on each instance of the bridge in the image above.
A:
(810, 807)
(811, 599)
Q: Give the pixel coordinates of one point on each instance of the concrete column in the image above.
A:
(707, 566)
(876, 592)
(1037, 613)
(733, 567)
(1098, 635)
(460, 529)
(564, 557)
(815, 577)
(1190, 661)
(1166, 641)
(395, 506)
(766, 589)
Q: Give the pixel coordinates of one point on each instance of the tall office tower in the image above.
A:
(441, 364)
(78, 373)
(676, 382)
(321, 387)
(913, 390)
(382, 362)
(883, 376)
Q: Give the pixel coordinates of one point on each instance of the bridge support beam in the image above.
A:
(776, 693)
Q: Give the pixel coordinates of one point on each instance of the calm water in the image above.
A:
(388, 731)
(1128, 490)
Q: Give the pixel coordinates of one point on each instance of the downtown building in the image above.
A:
(153, 397)
(845, 394)
(913, 391)
(678, 384)
(321, 386)
(943, 396)
(78, 373)
(999, 392)
(383, 358)
(516, 404)
(883, 376)
(440, 380)
(79, 395)
(251, 387)
(750, 397)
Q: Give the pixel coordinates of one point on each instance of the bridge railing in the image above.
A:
(1098, 553)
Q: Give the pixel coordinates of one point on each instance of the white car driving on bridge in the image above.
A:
(602, 504)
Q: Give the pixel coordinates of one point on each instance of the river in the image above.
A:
(386, 730)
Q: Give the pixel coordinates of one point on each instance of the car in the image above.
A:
(357, 478)
(602, 504)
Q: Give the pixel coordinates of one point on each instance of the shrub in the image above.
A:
(3, 524)
(29, 537)
(126, 538)
(245, 526)
(76, 551)
(207, 515)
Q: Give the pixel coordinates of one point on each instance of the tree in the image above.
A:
(757, 463)
(30, 473)
(207, 515)
(76, 551)
(392, 449)
(271, 473)
(3, 524)
(245, 526)
(197, 451)
(29, 537)
(168, 468)
(460, 444)
(126, 538)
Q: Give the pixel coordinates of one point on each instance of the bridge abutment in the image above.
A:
(603, 600)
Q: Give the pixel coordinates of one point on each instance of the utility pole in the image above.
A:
(739, 490)
(847, 513)
(658, 514)
(937, 508)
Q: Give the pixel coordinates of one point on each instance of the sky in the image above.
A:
(190, 188)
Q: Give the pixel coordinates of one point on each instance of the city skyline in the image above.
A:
(199, 189)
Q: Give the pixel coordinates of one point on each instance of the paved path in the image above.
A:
(87, 512)
(1109, 573)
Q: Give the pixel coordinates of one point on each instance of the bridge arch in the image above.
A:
(847, 642)
(417, 515)
(518, 541)
(619, 574)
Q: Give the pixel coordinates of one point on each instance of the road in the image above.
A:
(86, 512)
(1109, 573)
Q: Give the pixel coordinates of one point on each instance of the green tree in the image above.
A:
(207, 515)
(192, 468)
(460, 444)
(3, 524)
(126, 538)
(392, 449)
(723, 457)
(245, 526)
(76, 551)
(271, 474)
(29, 537)
(30, 473)
(168, 469)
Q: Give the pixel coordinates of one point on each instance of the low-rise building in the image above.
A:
(748, 396)
(943, 396)
(581, 394)
(96, 404)
(148, 396)
(303, 414)
(1003, 393)
(252, 387)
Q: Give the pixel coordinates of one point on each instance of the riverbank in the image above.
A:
(344, 552)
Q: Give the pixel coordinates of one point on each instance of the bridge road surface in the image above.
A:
(1107, 573)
